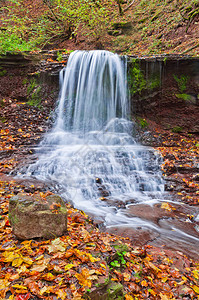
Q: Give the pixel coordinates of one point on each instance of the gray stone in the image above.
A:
(35, 216)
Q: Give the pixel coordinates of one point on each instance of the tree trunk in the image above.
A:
(120, 8)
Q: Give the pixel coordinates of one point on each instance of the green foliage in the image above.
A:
(115, 264)
(2, 119)
(142, 122)
(119, 260)
(177, 129)
(59, 56)
(13, 42)
(185, 97)
(2, 103)
(61, 19)
(137, 81)
(181, 81)
(33, 92)
(121, 247)
(2, 72)
(31, 86)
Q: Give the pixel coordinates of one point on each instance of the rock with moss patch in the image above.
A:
(107, 291)
(36, 216)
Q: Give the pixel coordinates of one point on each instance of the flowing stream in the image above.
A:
(90, 152)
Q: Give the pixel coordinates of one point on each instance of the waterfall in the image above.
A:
(90, 151)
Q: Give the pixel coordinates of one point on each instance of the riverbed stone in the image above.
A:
(37, 216)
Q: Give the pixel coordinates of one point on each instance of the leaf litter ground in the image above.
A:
(77, 264)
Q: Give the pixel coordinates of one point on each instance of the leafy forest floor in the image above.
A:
(88, 263)
(142, 27)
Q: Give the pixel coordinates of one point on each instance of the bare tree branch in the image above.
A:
(129, 5)
(54, 15)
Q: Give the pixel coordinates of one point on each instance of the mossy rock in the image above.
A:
(106, 291)
(34, 216)
(114, 32)
(188, 98)
(123, 27)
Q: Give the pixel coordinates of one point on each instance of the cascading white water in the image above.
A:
(90, 151)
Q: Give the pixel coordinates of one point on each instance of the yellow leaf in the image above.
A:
(23, 269)
(144, 283)
(17, 261)
(10, 256)
(57, 245)
(2, 224)
(195, 274)
(164, 297)
(4, 283)
(47, 290)
(83, 278)
(39, 268)
(92, 259)
(164, 279)
(28, 260)
(128, 297)
(152, 266)
(184, 278)
(166, 206)
(61, 294)
(93, 277)
(40, 257)
(69, 266)
(127, 276)
(49, 276)
(196, 289)
(19, 286)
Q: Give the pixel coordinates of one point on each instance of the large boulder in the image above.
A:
(36, 216)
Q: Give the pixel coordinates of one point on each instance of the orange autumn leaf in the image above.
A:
(83, 278)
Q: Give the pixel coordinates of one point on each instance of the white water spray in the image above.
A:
(90, 152)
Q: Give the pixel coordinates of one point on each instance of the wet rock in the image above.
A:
(139, 235)
(147, 212)
(34, 216)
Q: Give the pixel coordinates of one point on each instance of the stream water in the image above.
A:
(90, 152)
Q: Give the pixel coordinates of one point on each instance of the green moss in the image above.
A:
(115, 291)
(177, 129)
(25, 81)
(137, 82)
(63, 209)
(2, 119)
(142, 122)
(2, 73)
(13, 218)
(108, 290)
(182, 82)
(2, 103)
(31, 86)
(34, 93)
(59, 56)
(121, 247)
(185, 97)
